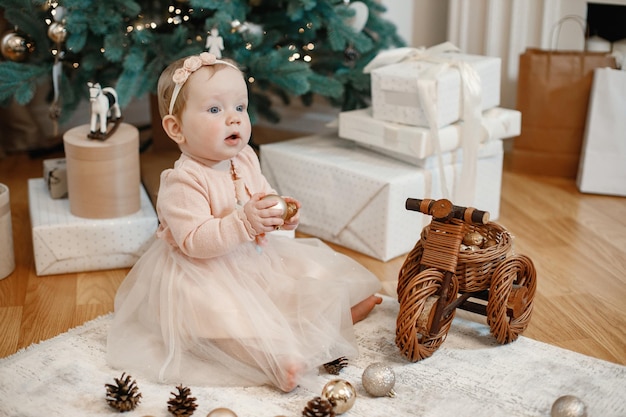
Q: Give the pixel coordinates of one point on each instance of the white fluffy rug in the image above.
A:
(470, 375)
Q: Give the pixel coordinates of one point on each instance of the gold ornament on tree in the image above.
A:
(124, 395)
(182, 404)
(57, 32)
(16, 47)
(341, 394)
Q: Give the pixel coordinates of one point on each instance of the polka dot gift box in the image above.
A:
(355, 197)
(63, 242)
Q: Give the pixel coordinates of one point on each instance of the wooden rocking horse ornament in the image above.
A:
(104, 106)
(440, 275)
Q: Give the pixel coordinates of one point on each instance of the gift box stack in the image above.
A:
(90, 211)
(434, 130)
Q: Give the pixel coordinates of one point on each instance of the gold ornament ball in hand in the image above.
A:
(288, 209)
(341, 394)
(568, 406)
(378, 380)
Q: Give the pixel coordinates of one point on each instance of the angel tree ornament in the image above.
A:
(104, 105)
(214, 43)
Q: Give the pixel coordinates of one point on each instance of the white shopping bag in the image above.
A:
(602, 168)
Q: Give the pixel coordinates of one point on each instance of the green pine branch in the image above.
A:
(107, 43)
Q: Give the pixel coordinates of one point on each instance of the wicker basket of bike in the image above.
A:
(460, 257)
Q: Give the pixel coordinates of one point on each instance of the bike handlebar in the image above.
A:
(444, 210)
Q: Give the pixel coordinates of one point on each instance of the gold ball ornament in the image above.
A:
(221, 412)
(489, 243)
(15, 47)
(378, 380)
(57, 32)
(341, 394)
(473, 239)
(288, 209)
(568, 406)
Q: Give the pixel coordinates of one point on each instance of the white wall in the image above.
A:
(419, 22)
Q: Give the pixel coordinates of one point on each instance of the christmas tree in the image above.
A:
(287, 48)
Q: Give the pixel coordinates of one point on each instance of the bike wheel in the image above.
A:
(511, 297)
(418, 302)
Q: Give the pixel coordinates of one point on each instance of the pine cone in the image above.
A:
(336, 366)
(182, 404)
(318, 407)
(124, 395)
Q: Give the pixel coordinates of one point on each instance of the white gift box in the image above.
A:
(396, 97)
(414, 144)
(355, 197)
(64, 243)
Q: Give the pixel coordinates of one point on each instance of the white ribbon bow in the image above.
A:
(471, 112)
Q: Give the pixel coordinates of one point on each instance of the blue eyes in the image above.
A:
(216, 110)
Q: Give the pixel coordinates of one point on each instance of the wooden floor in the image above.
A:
(577, 242)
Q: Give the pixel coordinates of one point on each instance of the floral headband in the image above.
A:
(191, 65)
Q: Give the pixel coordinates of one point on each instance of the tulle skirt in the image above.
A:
(247, 318)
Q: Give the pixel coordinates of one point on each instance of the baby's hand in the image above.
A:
(292, 223)
(261, 215)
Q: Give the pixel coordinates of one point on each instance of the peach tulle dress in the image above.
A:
(208, 304)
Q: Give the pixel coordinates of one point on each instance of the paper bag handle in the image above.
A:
(556, 30)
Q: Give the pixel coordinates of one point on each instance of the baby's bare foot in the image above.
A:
(363, 308)
(292, 375)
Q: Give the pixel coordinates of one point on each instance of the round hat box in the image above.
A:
(103, 179)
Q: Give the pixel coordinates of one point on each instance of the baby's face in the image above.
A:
(215, 122)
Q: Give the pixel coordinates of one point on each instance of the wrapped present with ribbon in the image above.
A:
(409, 83)
(354, 197)
(433, 88)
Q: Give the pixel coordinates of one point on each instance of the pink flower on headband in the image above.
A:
(191, 65)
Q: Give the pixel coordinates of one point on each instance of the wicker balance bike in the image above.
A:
(441, 274)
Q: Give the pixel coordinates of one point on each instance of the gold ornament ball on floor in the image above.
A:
(568, 406)
(341, 394)
(222, 412)
(378, 380)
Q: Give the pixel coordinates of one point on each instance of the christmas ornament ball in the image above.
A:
(378, 380)
(568, 406)
(221, 412)
(57, 32)
(473, 239)
(288, 209)
(15, 47)
(340, 393)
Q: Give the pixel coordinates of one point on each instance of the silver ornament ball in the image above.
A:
(341, 394)
(568, 406)
(378, 380)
